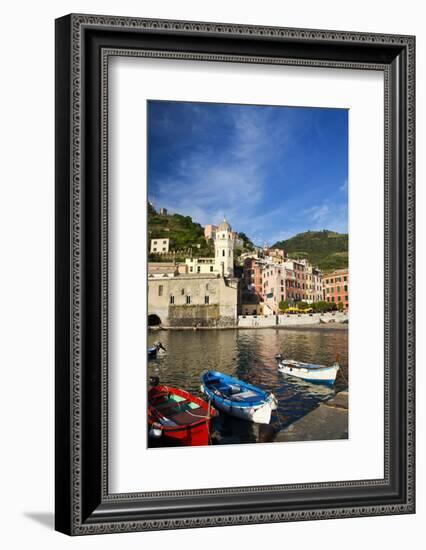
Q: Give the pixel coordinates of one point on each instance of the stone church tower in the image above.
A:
(224, 250)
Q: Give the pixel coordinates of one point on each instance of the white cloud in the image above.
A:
(208, 184)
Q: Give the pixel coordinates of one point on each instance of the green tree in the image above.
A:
(340, 306)
(303, 305)
(283, 305)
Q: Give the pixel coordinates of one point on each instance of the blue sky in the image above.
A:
(273, 171)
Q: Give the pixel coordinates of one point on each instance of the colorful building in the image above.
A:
(336, 287)
(275, 278)
(210, 231)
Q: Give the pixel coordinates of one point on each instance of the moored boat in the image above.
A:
(179, 417)
(238, 398)
(310, 372)
(156, 349)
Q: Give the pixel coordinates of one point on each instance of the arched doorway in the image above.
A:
(153, 320)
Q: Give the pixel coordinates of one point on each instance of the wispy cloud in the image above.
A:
(260, 166)
(344, 187)
(209, 182)
(328, 215)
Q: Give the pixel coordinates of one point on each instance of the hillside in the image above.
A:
(326, 249)
(184, 234)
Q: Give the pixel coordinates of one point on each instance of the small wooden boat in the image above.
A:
(178, 416)
(310, 372)
(238, 398)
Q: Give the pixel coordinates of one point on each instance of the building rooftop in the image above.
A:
(224, 226)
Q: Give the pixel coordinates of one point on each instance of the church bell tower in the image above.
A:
(224, 250)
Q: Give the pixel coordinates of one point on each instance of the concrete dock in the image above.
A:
(328, 421)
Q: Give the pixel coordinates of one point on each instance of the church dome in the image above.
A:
(224, 226)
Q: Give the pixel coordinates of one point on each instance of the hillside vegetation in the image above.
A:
(326, 249)
(184, 234)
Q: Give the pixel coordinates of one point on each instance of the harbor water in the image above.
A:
(250, 355)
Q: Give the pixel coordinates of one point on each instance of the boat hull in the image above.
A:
(326, 375)
(170, 430)
(191, 436)
(260, 414)
(258, 411)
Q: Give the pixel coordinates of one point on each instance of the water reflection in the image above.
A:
(250, 355)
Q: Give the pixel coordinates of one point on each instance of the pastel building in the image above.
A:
(252, 275)
(210, 231)
(274, 286)
(160, 246)
(336, 287)
(201, 265)
(282, 279)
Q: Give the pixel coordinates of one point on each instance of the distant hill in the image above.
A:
(326, 249)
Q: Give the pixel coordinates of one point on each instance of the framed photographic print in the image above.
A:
(234, 274)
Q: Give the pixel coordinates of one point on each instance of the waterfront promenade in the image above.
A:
(335, 319)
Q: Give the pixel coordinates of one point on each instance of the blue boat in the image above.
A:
(238, 398)
(152, 352)
(156, 349)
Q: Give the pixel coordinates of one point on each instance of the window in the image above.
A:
(206, 300)
(198, 269)
(154, 249)
(164, 248)
(345, 278)
(338, 289)
(223, 253)
(164, 242)
(160, 290)
(191, 269)
(346, 288)
(332, 298)
(346, 298)
(182, 292)
(172, 299)
(339, 298)
(207, 286)
(188, 299)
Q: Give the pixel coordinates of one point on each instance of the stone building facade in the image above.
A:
(187, 300)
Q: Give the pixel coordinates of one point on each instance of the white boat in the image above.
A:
(308, 371)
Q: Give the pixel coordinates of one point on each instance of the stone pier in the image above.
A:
(328, 421)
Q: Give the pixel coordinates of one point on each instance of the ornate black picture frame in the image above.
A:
(83, 45)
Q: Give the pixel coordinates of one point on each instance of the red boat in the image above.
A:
(178, 416)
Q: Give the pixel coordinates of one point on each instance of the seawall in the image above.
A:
(291, 320)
